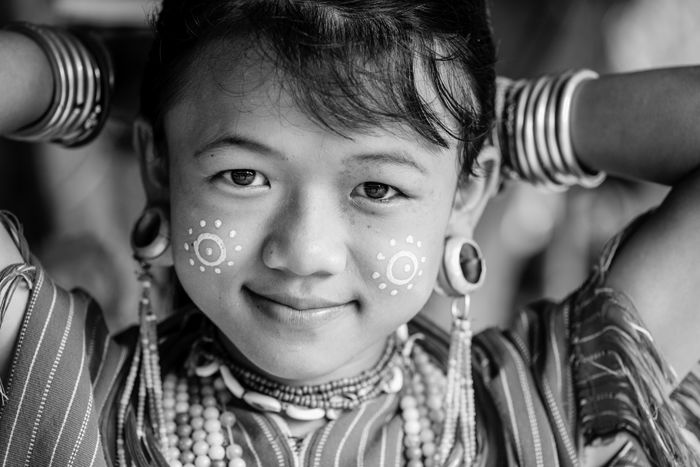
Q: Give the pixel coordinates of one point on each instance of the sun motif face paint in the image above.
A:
(400, 265)
(207, 248)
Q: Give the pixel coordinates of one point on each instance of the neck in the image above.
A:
(359, 364)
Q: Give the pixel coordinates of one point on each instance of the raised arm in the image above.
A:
(647, 126)
(643, 125)
(26, 83)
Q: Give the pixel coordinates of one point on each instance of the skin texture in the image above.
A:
(26, 80)
(309, 229)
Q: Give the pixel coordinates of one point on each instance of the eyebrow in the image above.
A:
(241, 142)
(400, 158)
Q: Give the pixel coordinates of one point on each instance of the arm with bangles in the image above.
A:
(646, 126)
(26, 84)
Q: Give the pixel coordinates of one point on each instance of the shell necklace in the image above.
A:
(200, 428)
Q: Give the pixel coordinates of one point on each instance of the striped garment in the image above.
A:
(580, 369)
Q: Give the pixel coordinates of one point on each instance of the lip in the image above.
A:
(296, 312)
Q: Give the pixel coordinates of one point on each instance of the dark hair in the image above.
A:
(347, 63)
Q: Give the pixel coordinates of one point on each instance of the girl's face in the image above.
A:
(306, 248)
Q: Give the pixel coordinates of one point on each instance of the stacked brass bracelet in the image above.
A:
(83, 80)
(533, 131)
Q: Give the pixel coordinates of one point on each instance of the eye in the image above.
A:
(246, 177)
(377, 191)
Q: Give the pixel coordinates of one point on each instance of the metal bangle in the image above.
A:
(542, 151)
(103, 79)
(588, 180)
(562, 174)
(89, 80)
(539, 176)
(521, 157)
(83, 85)
(50, 128)
(79, 102)
(59, 125)
(510, 163)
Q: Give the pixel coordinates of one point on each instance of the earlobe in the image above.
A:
(150, 237)
(154, 166)
(474, 193)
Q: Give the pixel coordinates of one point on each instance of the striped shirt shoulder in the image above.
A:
(60, 382)
(569, 374)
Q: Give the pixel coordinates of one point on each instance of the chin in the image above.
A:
(300, 353)
(294, 365)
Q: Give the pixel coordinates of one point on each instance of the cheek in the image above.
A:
(401, 265)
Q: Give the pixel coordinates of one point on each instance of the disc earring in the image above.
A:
(150, 237)
(462, 270)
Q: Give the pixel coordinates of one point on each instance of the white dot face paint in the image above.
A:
(207, 248)
(399, 265)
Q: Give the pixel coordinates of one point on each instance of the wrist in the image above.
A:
(26, 79)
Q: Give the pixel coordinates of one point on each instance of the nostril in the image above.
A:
(305, 257)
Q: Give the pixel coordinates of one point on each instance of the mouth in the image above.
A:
(296, 312)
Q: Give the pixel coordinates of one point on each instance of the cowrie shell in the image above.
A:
(231, 382)
(395, 384)
(262, 402)
(207, 370)
(304, 414)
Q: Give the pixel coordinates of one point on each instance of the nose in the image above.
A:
(307, 238)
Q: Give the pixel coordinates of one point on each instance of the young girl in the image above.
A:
(314, 172)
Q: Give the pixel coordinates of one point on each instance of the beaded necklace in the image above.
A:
(199, 426)
(310, 402)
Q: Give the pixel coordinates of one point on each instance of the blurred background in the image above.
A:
(78, 206)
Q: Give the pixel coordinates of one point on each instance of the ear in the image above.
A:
(154, 165)
(474, 192)
(149, 230)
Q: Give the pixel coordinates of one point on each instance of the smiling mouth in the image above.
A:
(298, 313)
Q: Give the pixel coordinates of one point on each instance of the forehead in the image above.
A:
(249, 79)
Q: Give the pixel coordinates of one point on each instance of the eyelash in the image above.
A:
(228, 176)
(395, 192)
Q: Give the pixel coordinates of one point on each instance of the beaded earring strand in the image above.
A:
(146, 366)
(459, 391)
(461, 273)
(150, 239)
